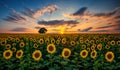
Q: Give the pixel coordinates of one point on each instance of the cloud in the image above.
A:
(81, 11)
(15, 16)
(87, 29)
(58, 22)
(107, 26)
(103, 21)
(100, 31)
(48, 9)
(117, 17)
(108, 14)
(28, 14)
(37, 27)
(19, 29)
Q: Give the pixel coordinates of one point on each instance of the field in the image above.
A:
(60, 51)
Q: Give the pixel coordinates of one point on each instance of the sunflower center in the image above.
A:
(99, 47)
(109, 56)
(86, 41)
(66, 53)
(93, 54)
(107, 46)
(41, 41)
(3, 42)
(105, 39)
(37, 55)
(19, 54)
(8, 46)
(72, 42)
(7, 54)
(53, 41)
(112, 42)
(84, 53)
(21, 44)
(51, 48)
(13, 49)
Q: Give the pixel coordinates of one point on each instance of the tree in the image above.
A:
(42, 30)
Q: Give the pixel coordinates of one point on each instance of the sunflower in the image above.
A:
(99, 46)
(9, 38)
(17, 40)
(41, 41)
(84, 53)
(13, 40)
(34, 40)
(52, 40)
(7, 54)
(35, 45)
(92, 41)
(72, 43)
(97, 41)
(101, 39)
(51, 48)
(107, 47)
(112, 43)
(87, 41)
(64, 40)
(66, 53)
(83, 46)
(58, 41)
(22, 44)
(81, 38)
(14, 44)
(118, 43)
(93, 54)
(19, 54)
(47, 40)
(3, 42)
(8, 46)
(92, 48)
(14, 49)
(94, 45)
(81, 41)
(88, 49)
(105, 39)
(36, 55)
(109, 56)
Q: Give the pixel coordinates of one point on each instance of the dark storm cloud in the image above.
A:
(81, 11)
(19, 29)
(58, 22)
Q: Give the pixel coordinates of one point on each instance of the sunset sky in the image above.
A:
(59, 16)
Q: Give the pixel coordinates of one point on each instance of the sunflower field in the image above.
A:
(59, 51)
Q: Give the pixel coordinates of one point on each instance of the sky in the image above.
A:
(59, 16)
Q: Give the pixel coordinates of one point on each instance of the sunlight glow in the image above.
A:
(62, 29)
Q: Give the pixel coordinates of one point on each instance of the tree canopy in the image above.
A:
(42, 30)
